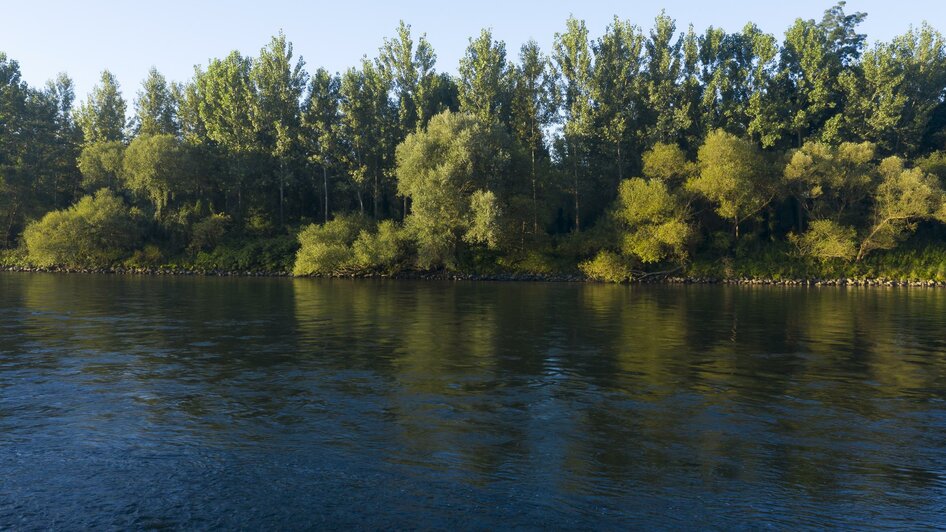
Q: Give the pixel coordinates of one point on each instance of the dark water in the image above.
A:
(285, 404)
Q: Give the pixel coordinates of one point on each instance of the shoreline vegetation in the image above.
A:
(640, 155)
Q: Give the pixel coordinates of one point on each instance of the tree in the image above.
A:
(668, 114)
(155, 108)
(617, 91)
(414, 78)
(320, 117)
(101, 165)
(278, 86)
(440, 169)
(155, 168)
(533, 110)
(367, 125)
(732, 175)
(903, 198)
(573, 60)
(225, 97)
(102, 116)
(828, 181)
(485, 79)
(826, 240)
(654, 221)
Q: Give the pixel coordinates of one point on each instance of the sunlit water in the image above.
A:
(130, 402)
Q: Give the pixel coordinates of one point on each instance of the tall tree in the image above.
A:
(155, 107)
(411, 70)
(573, 59)
(102, 116)
(485, 79)
(667, 114)
(533, 110)
(279, 85)
(617, 86)
(225, 97)
(320, 119)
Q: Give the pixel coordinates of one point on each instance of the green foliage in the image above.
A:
(95, 232)
(484, 225)
(208, 233)
(438, 169)
(148, 257)
(379, 250)
(272, 254)
(607, 266)
(903, 198)
(327, 248)
(102, 116)
(101, 165)
(668, 163)
(826, 240)
(656, 226)
(155, 167)
(515, 163)
(732, 176)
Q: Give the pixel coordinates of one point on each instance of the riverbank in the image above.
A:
(496, 277)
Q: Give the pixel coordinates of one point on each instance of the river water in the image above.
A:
(142, 402)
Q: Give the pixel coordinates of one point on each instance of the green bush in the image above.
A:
(97, 231)
(148, 257)
(207, 233)
(272, 254)
(379, 250)
(607, 266)
(327, 248)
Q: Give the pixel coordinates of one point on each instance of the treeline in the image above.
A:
(632, 151)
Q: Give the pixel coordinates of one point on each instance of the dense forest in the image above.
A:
(635, 152)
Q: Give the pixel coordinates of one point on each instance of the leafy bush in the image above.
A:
(826, 240)
(97, 231)
(148, 257)
(379, 250)
(207, 233)
(607, 266)
(327, 248)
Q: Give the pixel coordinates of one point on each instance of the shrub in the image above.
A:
(327, 248)
(607, 266)
(379, 250)
(826, 240)
(97, 231)
(207, 233)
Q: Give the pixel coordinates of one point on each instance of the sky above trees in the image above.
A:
(84, 38)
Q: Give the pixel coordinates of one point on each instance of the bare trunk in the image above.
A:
(7, 240)
(325, 189)
(282, 196)
(620, 166)
(577, 201)
(535, 208)
(377, 192)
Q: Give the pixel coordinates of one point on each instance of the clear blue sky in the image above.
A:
(84, 37)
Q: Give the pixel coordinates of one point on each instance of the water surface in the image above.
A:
(140, 402)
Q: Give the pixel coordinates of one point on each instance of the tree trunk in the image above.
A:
(620, 166)
(282, 192)
(325, 188)
(535, 208)
(377, 192)
(577, 202)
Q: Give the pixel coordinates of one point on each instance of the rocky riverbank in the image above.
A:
(500, 277)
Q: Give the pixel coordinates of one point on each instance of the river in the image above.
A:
(195, 403)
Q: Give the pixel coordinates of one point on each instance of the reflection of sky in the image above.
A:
(263, 403)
